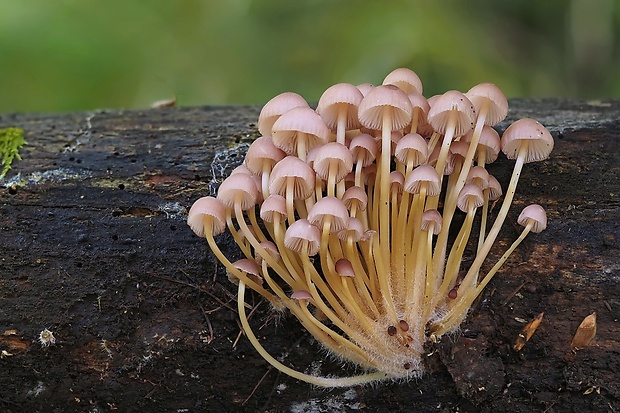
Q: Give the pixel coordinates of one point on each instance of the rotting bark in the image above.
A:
(95, 248)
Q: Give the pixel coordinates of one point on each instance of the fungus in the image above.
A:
(338, 108)
(260, 159)
(277, 106)
(352, 230)
(299, 130)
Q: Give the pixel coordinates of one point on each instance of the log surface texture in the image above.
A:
(94, 247)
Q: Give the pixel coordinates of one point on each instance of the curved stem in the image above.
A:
(318, 381)
(458, 312)
(501, 217)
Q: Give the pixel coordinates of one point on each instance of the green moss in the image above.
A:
(11, 140)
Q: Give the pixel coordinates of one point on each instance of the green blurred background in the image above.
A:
(76, 55)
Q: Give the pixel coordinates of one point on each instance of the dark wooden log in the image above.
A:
(94, 247)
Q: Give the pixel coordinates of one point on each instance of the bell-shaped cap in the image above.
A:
(423, 175)
(330, 208)
(489, 142)
(535, 215)
(341, 98)
(207, 215)
(452, 103)
(470, 197)
(538, 139)
(354, 230)
(433, 218)
(262, 151)
(405, 79)
(355, 195)
(302, 237)
(238, 188)
(273, 208)
(302, 175)
(495, 99)
(299, 123)
(382, 101)
(333, 158)
(276, 107)
(364, 147)
(412, 147)
(344, 268)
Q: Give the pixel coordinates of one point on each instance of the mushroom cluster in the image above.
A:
(358, 204)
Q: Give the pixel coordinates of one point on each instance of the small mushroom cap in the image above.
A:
(292, 167)
(479, 176)
(332, 208)
(301, 295)
(241, 169)
(248, 266)
(418, 101)
(354, 230)
(397, 180)
(277, 106)
(412, 147)
(470, 197)
(534, 214)
(423, 175)
(364, 147)
(381, 100)
(344, 268)
(207, 214)
(539, 140)
(365, 88)
(459, 149)
(495, 98)
(489, 141)
(357, 195)
(341, 96)
(495, 189)
(238, 188)
(262, 151)
(273, 208)
(286, 131)
(302, 237)
(333, 158)
(432, 217)
(452, 101)
(405, 79)
(271, 249)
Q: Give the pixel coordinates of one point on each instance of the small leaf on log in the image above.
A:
(585, 332)
(527, 332)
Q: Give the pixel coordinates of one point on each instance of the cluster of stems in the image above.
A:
(347, 214)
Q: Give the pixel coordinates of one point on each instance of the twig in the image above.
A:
(250, 314)
(257, 384)
(209, 326)
(512, 294)
(163, 277)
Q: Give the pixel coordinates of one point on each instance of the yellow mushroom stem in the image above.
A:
(316, 380)
(456, 255)
(266, 173)
(341, 126)
(234, 271)
(383, 173)
(501, 217)
(466, 298)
